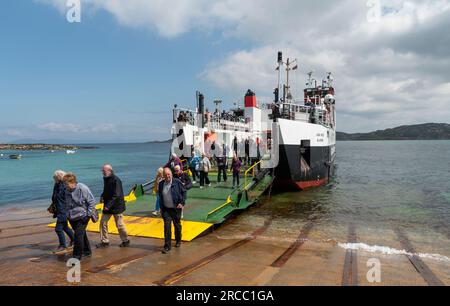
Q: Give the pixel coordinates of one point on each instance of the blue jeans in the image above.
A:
(61, 228)
(158, 205)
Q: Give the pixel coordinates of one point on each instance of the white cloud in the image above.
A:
(75, 128)
(388, 72)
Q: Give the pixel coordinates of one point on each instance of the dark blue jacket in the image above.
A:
(185, 180)
(113, 196)
(58, 199)
(178, 192)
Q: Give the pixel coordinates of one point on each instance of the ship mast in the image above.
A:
(286, 95)
(278, 89)
(288, 69)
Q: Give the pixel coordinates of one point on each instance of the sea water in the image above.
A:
(378, 186)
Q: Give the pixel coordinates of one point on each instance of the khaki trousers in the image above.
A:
(120, 226)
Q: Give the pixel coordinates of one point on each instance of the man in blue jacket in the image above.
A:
(172, 196)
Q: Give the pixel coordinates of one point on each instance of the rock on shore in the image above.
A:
(44, 147)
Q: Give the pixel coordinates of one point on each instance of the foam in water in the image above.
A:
(390, 251)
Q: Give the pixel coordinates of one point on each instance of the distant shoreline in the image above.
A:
(42, 147)
(427, 131)
(160, 141)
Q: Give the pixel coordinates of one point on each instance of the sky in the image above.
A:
(115, 75)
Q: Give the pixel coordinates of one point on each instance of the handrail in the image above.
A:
(148, 183)
(252, 168)
(229, 201)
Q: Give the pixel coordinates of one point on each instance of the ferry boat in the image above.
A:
(284, 143)
(294, 138)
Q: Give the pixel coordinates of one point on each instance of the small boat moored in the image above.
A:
(71, 151)
(15, 156)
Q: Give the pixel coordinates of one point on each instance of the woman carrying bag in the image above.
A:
(59, 211)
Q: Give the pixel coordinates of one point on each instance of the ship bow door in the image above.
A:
(305, 160)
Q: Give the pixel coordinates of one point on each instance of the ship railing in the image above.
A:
(318, 116)
(184, 115)
(148, 186)
(228, 202)
(238, 125)
(252, 170)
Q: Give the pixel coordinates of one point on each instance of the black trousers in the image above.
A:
(204, 178)
(235, 179)
(81, 245)
(194, 174)
(170, 215)
(222, 171)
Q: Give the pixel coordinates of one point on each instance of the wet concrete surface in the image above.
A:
(250, 249)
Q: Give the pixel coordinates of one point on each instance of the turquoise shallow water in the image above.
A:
(380, 184)
(30, 179)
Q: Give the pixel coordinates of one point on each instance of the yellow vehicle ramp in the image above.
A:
(151, 227)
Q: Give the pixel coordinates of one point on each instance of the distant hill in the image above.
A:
(160, 141)
(427, 131)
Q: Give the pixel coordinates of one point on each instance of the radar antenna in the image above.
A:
(329, 79)
(310, 81)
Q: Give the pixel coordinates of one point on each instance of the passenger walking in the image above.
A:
(173, 198)
(194, 167)
(222, 168)
(236, 168)
(204, 167)
(158, 179)
(183, 177)
(174, 161)
(81, 208)
(185, 180)
(113, 205)
(247, 151)
(60, 212)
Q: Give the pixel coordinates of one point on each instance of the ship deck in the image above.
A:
(198, 204)
(204, 209)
